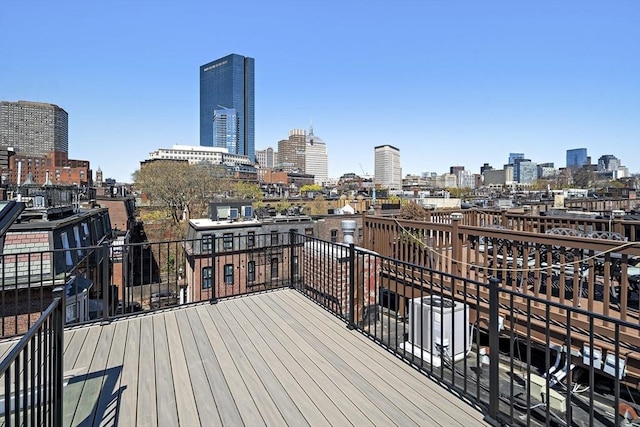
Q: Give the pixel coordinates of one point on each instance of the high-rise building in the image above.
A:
(316, 159)
(33, 128)
(455, 169)
(267, 158)
(514, 156)
(388, 173)
(577, 157)
(227, 105)
(608, 163)
(516, 168)
(528, 172)
(291, 151)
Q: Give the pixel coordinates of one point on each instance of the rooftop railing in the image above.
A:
(31, 374)
(520, 357)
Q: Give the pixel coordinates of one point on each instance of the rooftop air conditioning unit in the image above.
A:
(440, 327)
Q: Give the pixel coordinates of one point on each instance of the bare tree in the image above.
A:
(181, 188)
(412, 210)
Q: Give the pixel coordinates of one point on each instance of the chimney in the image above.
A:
(348, 229)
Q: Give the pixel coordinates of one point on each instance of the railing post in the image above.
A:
(292, 238)
(106, 289)
(494, 349)
(58, 354)
(352, 286)
(456, 243)
(214, 284)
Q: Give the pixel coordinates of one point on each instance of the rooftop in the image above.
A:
(273, 358)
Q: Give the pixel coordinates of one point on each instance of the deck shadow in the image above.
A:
(106, 407)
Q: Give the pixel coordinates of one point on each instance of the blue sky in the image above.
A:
(458, 82)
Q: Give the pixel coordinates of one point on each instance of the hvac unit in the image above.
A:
(439, 327)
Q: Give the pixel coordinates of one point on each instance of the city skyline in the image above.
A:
(484, 78)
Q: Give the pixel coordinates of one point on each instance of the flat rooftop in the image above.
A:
(274, 358)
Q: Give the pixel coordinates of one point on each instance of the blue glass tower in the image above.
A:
(227, 106)
(576, 158)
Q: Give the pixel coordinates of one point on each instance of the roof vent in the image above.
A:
(348, 229)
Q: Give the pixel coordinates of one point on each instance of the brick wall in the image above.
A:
(326, 277)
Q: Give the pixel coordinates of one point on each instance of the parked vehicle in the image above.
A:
(131, 307)
(163, 299)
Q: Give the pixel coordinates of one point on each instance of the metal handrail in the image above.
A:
(35, 395)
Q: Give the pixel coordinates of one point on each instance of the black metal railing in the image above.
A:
(520, 358)
(502, 350)
(32, 372)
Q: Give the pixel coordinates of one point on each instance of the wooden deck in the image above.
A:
(269, 359)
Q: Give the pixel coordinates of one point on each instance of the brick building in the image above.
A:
(246, 254)
(55, 165)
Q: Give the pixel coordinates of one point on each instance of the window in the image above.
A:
(360, 234)
(274, 267)
(206, 278)
(65, 244)
(334, 236)
(251, 271)
(228, 274)
(274, 237)
(206, 244)
(76, 234)
(251, 239)
(227, 240)
(308, 232)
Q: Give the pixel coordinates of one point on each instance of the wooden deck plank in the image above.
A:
(167, 409)
(364, 382)
(274, 388)
(74, 340)
(129, 379)
(284, 361)
(334, 368)
(147, 403)
(106, 413)
(74, 389)
(399, 377)
(185, 400)
(227, 408)
(299, 395)
(360, 357)
(324, 386)
(202, 392)
(235, 379)
(268, 359)
(265, 404)
(94, 379)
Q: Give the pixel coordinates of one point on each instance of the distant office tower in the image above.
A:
(455, 169)
(514, 156)
(291, 151)
(516, 168)
(33, 128)
(608, 163)
(267, 158)
(465, 179)
(227, 106)
(577, 157)
(316, 158)
(388, 173)
(528, 172)
(485, 167)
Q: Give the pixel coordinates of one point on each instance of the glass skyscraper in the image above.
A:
(576, 158)
(227, 106)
